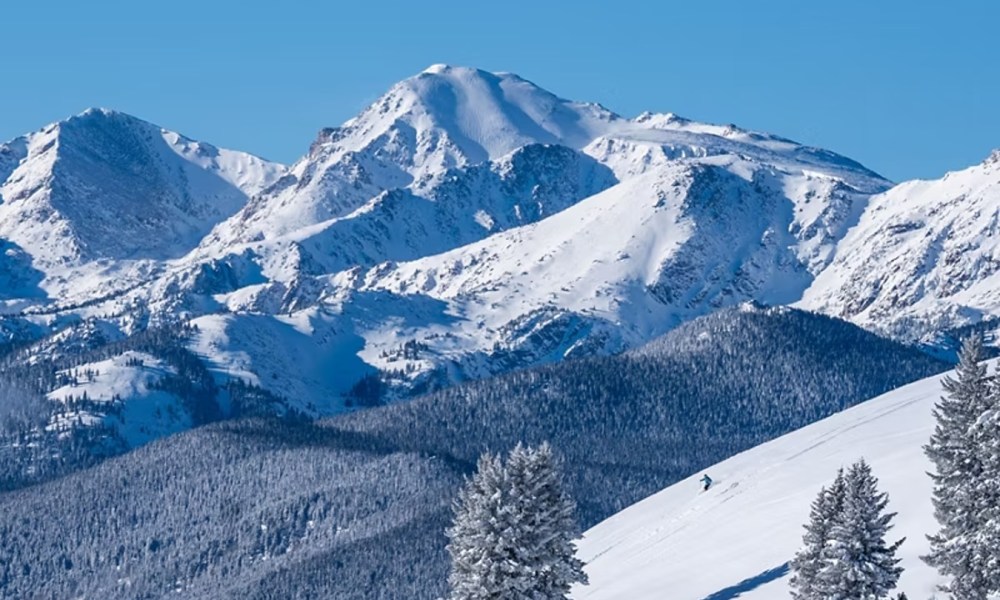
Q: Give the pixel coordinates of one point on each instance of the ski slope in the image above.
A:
(737, 538)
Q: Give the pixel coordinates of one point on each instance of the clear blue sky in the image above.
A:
(910, 89)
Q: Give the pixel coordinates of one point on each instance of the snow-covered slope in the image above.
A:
(737, 538)
(635, 260)
(459, 207)
(925, 256)
(102, 188)
(121, 393)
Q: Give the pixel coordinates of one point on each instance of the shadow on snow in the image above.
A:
(750, 583)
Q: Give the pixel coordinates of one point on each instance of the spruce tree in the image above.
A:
(546, 525)
(479, 537)
(985, 435)
(859, 564)
(811, 559)
(513, 531)
(958, 457)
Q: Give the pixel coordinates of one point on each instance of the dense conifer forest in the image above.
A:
(357, 506)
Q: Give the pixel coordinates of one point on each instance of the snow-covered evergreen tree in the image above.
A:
(546, 524)
(859, 564)
(985, 434)
(512, 537)
(811, 558)
(960, 494)
(479, 538)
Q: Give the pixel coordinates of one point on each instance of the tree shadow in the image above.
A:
(750, 583)
(279, 433)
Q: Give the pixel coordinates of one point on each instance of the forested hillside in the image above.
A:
(355, 506)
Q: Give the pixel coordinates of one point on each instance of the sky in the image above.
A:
(909, 89)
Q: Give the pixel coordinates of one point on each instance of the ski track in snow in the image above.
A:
(737, 538)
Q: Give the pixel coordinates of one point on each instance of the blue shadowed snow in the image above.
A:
(750, 583)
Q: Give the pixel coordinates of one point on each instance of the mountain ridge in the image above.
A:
(465, 224)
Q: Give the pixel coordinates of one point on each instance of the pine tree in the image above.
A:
(810, 560)
(859, 563)
(512, 536)
(985, 434)
(958, 460)
(546, 524)
(479, 540)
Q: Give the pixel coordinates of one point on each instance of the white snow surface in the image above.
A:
(147, 413)
(635, 260)
(924, 256)
(102, 197)
(448, 116)
(735, 539)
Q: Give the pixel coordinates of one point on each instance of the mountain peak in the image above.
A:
(99, 114)
(99, 111)
(453, 115)
(105, 185)
(97, 125)
(437, 68)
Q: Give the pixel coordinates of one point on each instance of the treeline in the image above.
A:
(42, 439)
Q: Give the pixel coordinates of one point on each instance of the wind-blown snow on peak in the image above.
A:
(474, 116)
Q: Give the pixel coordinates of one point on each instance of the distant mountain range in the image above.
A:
(464, 225)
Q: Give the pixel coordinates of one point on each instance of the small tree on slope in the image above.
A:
(859, 563)
(811, 559)
(958, 455)
(513, 533)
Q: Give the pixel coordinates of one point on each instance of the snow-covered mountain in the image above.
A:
(498, 226)
(736, 539)
(455, 117)
(105, 194)
(465, 224)
(459, 207)
(924, 257)
(687, 238)
(443, 118)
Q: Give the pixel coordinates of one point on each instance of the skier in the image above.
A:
(707, 481)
